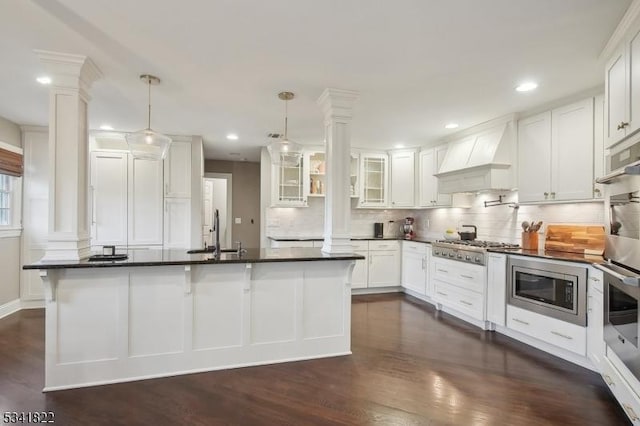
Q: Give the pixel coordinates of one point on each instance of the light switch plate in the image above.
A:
(238, 220)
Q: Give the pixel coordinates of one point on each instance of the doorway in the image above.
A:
(216, 194)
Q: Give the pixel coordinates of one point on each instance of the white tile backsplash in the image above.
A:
(498, 223)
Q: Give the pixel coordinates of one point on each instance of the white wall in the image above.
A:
(9, 247)
(500, 223)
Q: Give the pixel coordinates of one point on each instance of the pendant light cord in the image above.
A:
(149, 98)
(286, 113)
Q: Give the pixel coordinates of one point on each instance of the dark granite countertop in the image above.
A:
(180, 257)
(554, 255)
(418, 240)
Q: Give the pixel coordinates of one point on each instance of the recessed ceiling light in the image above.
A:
(399, 145)
(451, 126)
(44, 80)
(106, 127)
(232, 137)
(527, 87)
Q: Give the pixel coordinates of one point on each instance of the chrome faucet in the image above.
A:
(216, 227)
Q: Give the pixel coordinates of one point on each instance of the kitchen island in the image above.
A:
(165, 312)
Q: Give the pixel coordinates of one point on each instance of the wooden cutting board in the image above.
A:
(585, 239)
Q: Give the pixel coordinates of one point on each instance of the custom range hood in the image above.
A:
(480, 158)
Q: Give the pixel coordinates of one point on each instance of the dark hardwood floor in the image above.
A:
(411, 365)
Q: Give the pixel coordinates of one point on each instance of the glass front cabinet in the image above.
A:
(289, 185)
(374, 170)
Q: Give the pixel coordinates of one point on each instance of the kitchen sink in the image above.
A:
(211, 250)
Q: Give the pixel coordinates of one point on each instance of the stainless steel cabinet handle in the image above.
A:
(466, 276)
(553, 195)
(609, 380)
(594, 279)
(546, 194)
(444, 294)
(466, 303)
(630, 412)
(622, 125)
(520, 321)
(443, 270)
(562, 335)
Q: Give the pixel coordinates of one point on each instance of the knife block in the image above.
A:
(530, 241)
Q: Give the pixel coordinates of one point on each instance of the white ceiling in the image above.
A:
(417, 64)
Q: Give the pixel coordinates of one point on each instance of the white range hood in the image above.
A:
(481, 158)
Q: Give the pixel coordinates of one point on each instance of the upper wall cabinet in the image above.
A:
(547, 144)
(430, 162)
(289, 185)
(177, 170)
(622, 90)
(374, 172)
(403, 175)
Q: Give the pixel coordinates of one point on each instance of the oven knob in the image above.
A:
(436, 252)
(459, 256)
(451, 254)
(467, 258)
(477, 259)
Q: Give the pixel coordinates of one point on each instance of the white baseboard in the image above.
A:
(10, 308)
(375, 290)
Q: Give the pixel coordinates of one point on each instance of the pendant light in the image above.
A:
(285, 152)
(148, 144)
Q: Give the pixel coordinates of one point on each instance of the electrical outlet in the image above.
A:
(238, 220)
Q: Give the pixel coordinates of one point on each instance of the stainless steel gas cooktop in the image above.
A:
(469, 251)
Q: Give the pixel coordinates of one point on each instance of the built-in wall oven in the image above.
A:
(621, 294)
(554, 290)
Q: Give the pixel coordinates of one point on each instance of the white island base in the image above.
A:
(108, 325)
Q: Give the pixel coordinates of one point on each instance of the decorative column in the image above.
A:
(337, 106)
(71, 79)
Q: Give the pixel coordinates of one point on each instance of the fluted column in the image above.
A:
(72, 77)
(337, 106)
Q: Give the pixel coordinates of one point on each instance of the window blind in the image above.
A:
(10, 163)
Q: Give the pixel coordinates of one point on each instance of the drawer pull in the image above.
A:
(466, 276)
(466, 303)
(520, 321)
(443, 294)
(630, 412)
(594, 279)
(609, 380)
(562, 335)
(443, 270)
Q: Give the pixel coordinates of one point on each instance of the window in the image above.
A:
(5, 200)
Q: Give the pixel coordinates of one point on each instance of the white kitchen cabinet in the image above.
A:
(177, 222)
(562, 334)
(374, 176)
(415, 263)
(316, 162)
(403, 168)
(623, 392)
(496, 288)
(384, 263)
(360, 275)
(290, 184)
(177, 170)
(145, 202)
(622, 89)
(547, 144)
(127, 201)
(595, 317)
(430, 162)
(109, 212)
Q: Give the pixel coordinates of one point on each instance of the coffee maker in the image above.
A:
(407, 228)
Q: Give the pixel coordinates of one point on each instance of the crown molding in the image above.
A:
(621, 30)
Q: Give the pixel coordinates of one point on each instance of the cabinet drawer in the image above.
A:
(360, 245)
(550, 330)
(384, 245)
(413, 247)
(623, 393)
(467, 302)
(468, 277)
